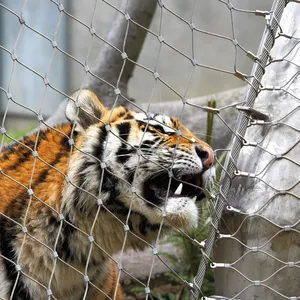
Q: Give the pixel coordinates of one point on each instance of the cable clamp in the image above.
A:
(244, 174)
(291, 264)
(231, 208)
(220, 265)
(240, 75)
(287, 228)
(225, 236)
(252, 56)
(253, 144)
(262, 13)
(211, 109)
(254, 113)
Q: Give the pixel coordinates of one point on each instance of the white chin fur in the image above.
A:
(209, 178)
(182, 212)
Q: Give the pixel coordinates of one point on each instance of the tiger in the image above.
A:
(74, 195)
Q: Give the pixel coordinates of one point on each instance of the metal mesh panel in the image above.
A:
(218, 199)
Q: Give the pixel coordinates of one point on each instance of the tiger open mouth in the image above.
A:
(157, 188)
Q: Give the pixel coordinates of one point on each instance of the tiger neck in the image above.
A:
(109, 232)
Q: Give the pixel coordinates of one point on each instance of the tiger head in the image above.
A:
(136, 162)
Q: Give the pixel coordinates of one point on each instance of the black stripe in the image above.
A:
(147, 144)
(141, 123)
(145, 226)
(43, 134)
(23, 152)
(115, 206)
(130, 225)
(28, 141)
(63, 246)
(11, 150)
(110, 183)
(124, 152)
(149, 129)
(5, 156)
(130, 176)
(8, 233)
(121, 114)
(158, 127)
(80, 181)
(129, 117)
(98, 151)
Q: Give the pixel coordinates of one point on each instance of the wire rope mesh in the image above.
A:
(237, 143)
(235, 118)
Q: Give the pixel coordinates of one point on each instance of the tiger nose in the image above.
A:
(206, 155)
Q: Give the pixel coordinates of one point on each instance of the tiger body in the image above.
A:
(73, 196)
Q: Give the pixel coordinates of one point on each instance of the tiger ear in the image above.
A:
(84, 109)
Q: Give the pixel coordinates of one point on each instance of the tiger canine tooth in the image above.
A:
(178, 190)
(194, 198)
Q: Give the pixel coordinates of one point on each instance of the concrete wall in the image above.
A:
(265, 236)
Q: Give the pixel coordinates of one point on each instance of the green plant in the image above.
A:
(188, 262)
(210, 120)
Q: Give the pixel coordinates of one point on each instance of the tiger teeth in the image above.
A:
(194, 198)
(178, 190)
